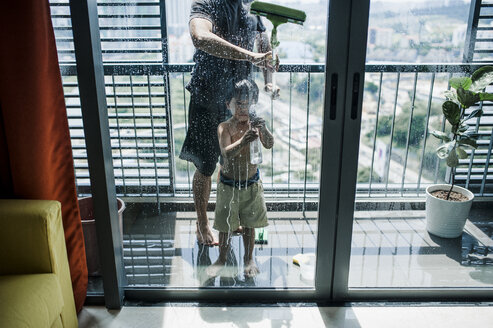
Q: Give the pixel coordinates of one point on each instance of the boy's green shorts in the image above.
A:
(240, 207)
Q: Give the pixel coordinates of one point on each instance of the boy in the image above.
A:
(240, 204)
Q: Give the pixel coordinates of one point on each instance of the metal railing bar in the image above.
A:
(129, 4)
(128, 176)
(483, 51)
(308, 84)
(130, 39)
(147, 156)
(392, 130)
(59, 4)
(153, 139)
(437, 165)
(164, 166)
(127, 16)
(186, 129)
(141, 94)
(422, 68)
(289, 125)
(487, 165)
(484, 40)
(60, 16)
(375, 133)
(139, 126)
(64, 39)
(409, 130)
(168, 109)
(143, 105)
(129, 27)
(129, 51)
(110, 4)
(425, 135)
(118, 131)
(272, 149)
(135, 129)
(471, 158)
(140, 137)
(122, 115)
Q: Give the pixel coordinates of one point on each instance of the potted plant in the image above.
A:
(447, 205)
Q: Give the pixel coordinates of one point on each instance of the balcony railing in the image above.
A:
(148, 107)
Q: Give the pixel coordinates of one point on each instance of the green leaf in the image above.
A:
(460, 82)
(474, 113)
(467, 98)
(461, 153)
(452, 159)
(485, 96)
(441, 135)
(470, 143)
(481, 78)
(451, 95)
(463, 128)
(444, 150)
(451, 111)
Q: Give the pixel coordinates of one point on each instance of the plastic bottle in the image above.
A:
(255, 151)
(255, 145)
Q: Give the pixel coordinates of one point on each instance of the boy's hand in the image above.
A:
(249, 136)
(258, 123)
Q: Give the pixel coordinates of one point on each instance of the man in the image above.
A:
(223, 33)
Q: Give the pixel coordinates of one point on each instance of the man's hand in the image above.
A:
(274, 94)
(264, 61)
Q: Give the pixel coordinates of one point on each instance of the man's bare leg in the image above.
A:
(215, 268)
(201, 191)
(251, 269)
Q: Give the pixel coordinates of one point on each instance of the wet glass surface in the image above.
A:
(162, 250)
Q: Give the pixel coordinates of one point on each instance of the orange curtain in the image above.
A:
(35, 150)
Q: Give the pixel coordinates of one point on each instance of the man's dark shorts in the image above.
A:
(201, 146)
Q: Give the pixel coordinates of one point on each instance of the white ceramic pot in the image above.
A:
(445, 218)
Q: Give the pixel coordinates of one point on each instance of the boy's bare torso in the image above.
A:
(238, 168)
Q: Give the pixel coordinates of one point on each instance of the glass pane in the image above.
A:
(149, 126)
(402, 105)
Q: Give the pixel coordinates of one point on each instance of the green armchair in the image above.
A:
(35, 285)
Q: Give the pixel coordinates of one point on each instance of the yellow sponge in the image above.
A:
(300, 259)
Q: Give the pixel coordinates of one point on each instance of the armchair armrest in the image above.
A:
(30, 232)
(32, 240)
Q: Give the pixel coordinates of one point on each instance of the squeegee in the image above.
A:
(277, 15)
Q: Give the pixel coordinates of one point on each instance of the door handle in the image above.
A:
(355, 97)
(333, 96)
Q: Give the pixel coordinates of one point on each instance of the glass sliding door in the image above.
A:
(412, 50)
(147, 53)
